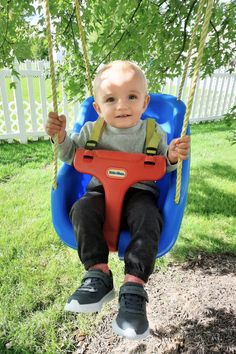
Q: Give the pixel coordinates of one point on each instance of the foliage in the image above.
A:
(154, 33)
(39, 49)
(230, 119)
(15, 31)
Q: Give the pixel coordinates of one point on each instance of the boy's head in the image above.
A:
(120, 92)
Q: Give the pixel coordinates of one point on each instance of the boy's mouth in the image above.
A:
(123, 116)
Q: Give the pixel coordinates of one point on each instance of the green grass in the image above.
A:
(209, 223)
(38, 273)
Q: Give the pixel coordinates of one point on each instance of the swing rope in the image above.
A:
(192, 91)
(191, 46)
(54, 88)
(53, 74)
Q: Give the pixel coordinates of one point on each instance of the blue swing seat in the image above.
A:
(71, 185)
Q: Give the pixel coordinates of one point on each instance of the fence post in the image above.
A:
(19, 106)
(214, 95)
(31, 98)
(5, 104)
(232, 93)
(208, 99)
(42, 67)
(219, 104)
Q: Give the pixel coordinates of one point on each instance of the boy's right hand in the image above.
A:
(56, 125)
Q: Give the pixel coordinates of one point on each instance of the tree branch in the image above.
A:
(217, 34)
(76, 49)
(70, 21)
(185, 30)
(123, 34)
(185, 35)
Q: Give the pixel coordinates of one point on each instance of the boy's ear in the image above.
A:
(146, 102)
(96, 107)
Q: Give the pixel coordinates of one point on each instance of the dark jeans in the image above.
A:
(140, 214)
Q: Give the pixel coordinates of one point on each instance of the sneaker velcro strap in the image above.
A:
(133, 290)
(107, 279)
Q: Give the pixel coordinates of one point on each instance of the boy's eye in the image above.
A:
(110, 99)
(132, 97)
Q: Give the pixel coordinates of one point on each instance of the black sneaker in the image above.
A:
(96, 289)
(131, 321)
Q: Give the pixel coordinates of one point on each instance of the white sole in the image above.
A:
(129, 333)
(75, 306)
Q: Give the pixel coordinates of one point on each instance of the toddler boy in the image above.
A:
(120, 93)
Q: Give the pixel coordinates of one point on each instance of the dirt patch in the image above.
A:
(191, 309)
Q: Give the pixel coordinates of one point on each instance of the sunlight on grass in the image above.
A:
(38, 273)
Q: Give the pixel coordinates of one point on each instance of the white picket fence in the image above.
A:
(23, 110)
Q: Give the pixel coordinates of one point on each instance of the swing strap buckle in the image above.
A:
(91, 144)
(151, 151)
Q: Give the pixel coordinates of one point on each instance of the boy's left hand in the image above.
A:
(179, 148)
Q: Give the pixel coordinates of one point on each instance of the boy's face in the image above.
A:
(121, 97)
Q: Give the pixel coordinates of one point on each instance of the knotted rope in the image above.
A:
(192, 90)
(191, 46)
(54, 87)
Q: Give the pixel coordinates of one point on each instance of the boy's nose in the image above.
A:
(121, 104)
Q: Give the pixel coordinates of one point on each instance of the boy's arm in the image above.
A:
(67, 149)
(67, 145)
(56, 124)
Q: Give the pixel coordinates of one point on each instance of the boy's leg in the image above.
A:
(145, 223)
(87, 216)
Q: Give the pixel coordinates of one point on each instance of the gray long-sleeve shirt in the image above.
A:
(116, 139)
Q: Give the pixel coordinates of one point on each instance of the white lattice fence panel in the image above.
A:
(13, 116)
(3, 129)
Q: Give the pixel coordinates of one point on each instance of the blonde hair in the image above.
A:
(122, 63)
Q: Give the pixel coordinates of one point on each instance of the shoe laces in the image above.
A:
(133, 302)
(90, 284)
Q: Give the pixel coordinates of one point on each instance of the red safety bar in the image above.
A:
(117, 171)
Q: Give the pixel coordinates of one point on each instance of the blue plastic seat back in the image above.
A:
(169, 113)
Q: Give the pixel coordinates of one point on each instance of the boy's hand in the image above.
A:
(56, 125)
(179, 148)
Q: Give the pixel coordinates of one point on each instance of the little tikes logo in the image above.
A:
(116, 173)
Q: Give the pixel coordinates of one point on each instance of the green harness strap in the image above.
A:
(96, 134)
(152, 136)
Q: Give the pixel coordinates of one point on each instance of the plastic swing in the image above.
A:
(71, 182)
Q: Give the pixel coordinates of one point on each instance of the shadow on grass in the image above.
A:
(219, 264)
(215, 333)
(6, 350)
(13, 157)
(20, 154)
(205, 199)
(209, 127)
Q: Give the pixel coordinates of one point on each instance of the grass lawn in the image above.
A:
(38, 273)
